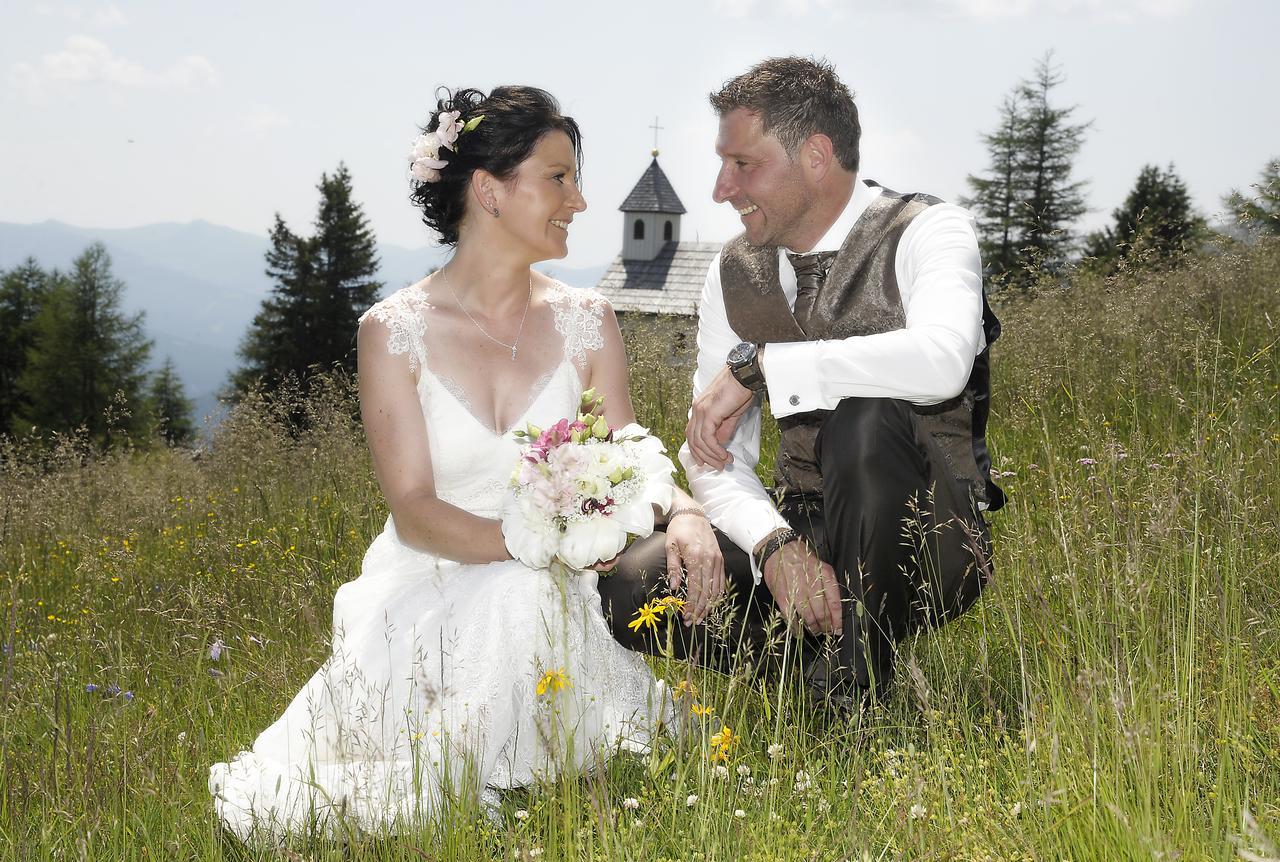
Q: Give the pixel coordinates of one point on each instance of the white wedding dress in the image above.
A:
(432, 683)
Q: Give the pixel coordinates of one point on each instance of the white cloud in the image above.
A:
(1091, 8)
(86, 60)
(108, 15)
(733, 8)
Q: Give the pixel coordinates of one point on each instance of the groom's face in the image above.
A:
(759, 179)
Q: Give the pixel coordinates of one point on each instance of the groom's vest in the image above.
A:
(859, 297)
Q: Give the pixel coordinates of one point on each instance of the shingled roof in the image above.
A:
(653, 194)
(671, 283)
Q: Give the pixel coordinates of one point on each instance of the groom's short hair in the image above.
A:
(796, 97)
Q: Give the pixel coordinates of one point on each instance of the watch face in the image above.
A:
(741, 354)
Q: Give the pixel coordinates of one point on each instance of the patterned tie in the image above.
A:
(811, 271)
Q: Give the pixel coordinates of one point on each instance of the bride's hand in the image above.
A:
(693, 558)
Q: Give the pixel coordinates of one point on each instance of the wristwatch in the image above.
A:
(744, 365)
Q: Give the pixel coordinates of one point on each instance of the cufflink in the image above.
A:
(794, 400)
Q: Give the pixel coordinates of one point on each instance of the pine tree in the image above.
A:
(22, 292)
(170, 406)
(1052, 202)
(1156, 220)
(322, 285)
(1027, 202)
(996, 198)
(1259, 213)
(87, 366)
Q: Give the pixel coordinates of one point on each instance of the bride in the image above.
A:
(456, 669)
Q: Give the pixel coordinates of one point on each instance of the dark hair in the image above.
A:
(796, 97)
(515, 119)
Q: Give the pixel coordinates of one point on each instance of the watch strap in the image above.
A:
(773, 544)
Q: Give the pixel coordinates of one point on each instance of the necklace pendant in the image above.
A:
(513, 354)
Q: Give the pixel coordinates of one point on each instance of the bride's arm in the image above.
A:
(397, 435)
(692, 549)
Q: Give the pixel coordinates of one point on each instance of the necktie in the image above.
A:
(811, 271)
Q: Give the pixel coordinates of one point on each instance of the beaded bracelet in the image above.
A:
(686, 511)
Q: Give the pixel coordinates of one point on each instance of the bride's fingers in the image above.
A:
(697, 589)
(675, 573)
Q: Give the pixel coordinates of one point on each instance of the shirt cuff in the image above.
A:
(789, 376)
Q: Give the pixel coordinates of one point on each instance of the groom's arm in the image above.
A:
(928, 361)
(734, 498)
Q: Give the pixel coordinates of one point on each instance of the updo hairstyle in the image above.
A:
(515, 119)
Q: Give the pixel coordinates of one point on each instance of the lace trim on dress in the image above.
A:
(579, 315)
(403, 313)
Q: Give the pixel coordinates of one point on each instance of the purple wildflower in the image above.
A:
(215, 649)
(113, 690)
(128, 695)
(215, 673)
(90, 688)
(1087, 462)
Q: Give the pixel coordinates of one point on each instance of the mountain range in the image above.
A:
(200, 285)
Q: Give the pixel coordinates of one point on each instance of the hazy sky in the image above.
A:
(120, 114)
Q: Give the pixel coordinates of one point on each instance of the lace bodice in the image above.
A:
(471, 461)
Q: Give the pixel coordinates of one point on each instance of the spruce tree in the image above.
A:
(997, 197)
(1027, 202)
(1260, 213)
(1156, 221)
(22, 291)
(87, 365)
(1053, 202)
(322, 285)
(171, 408)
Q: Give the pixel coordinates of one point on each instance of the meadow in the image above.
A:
(1114, 696)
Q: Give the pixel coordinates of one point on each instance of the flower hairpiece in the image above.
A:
(424, 156)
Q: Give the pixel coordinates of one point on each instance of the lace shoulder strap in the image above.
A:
(403, 313)
(579, 316)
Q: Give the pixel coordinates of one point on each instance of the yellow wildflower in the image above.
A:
(704, 711)
(646, 616)
(684, 687)
(669, 603)
(553, 681)
(723, 742)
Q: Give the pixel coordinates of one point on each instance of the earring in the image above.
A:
(494, 211)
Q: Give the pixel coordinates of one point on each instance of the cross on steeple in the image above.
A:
(655, 128)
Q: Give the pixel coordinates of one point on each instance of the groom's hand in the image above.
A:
(714, 418)
(803, 585)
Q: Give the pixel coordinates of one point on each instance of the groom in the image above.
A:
(857, 315)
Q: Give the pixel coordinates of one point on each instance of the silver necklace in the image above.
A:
(519, 332)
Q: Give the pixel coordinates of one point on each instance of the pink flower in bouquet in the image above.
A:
(581, 490)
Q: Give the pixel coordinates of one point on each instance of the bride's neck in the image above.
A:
(486, 280)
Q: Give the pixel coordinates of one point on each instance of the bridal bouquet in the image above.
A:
(582, 488)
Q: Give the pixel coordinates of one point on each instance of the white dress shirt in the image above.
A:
(926, 362)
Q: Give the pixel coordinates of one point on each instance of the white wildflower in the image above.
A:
(631, 803)
(738, 812)
(775, 750)
(693, 798)
(918, 811)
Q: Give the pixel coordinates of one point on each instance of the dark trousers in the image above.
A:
(905, 539)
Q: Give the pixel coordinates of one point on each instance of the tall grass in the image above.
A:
(1115, 695)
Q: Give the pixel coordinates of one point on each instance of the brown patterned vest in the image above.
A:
(859, 297)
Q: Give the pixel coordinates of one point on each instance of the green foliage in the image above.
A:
(1027, 203)
(170, 407)
(22, 291)
(1259, 213)
(322, 285)
(86, 366)
(1156, 222)
(1115, 695)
